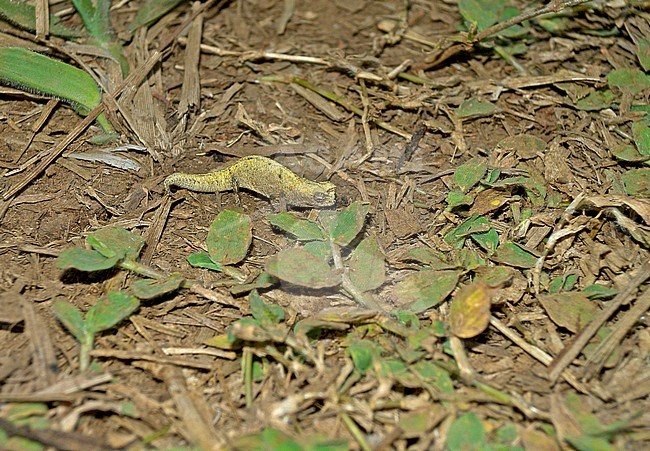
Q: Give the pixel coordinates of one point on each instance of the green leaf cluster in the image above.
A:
(115, 247)
(105, 314)
(310, 265)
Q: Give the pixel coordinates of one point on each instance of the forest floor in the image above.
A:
(480, 283)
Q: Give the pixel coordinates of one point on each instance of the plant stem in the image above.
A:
(355, 431)
(248, 376)
(86, 347)
(361, 299)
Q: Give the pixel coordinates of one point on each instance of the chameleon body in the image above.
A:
(263, 176)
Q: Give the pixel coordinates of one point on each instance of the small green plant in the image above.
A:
(320, 262)
(111, 247)
(229, 237)
(317, 263)
(33, 72)
(114, 247)
(105, 314)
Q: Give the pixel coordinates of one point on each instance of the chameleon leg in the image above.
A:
(279, 205)
(235, 188)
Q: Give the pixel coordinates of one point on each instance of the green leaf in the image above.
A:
(562, 283)
(467, 433)
(628, 153)
(456, 198)
(70, 317)
(596, 291)
(416, 423)
(474, 108)
(224, 341)
(641, 133)
(299, 267)
(30, 71)
(425, 289)
(367, 266)
(150, 288)
(512, 255)
(23, 15)
(110, 310)
(345, 225)
(535, 189)
(203, 260)
(85, 260)
(302, 229)
(229, 237)
(589, 443)
(643, 52)
(268, 439)
(484, 13)
(637, 182)
(363, 354)
(507, 436)
(264, 313)
(320, 249)
(628, 80)
(555, 24)
(426, 255)
(475, 224)
(116, 242)
(489, 241)
(469, 259)
(494, 276)
(433, 374)
(407, 318)
(96, 18)
(470, 173)
(596, 101)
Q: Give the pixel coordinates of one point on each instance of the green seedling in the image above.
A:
(309, 265)
(33, 72)
(105, 314)
(114, 247)
(229, 238)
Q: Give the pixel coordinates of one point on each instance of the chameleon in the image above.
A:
(263, 176)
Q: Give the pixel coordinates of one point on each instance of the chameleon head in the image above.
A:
(316, 195)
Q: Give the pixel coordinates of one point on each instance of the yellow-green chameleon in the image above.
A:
(263, 176)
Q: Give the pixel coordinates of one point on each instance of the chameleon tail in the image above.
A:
(212, 182)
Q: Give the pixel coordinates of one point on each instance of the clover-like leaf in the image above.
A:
(229, 237)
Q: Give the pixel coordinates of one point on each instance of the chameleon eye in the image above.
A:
(319, 197)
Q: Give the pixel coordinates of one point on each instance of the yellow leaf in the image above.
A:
(470, 310)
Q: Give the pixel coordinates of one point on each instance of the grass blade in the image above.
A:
(33, 72)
